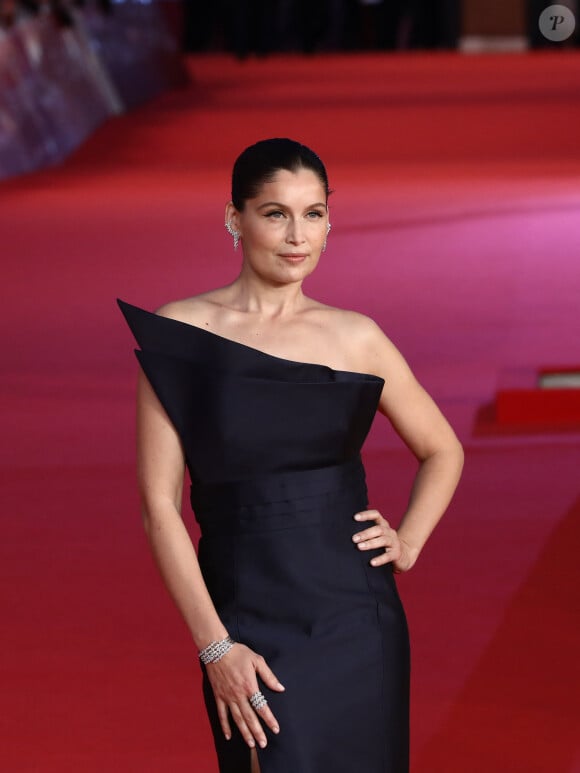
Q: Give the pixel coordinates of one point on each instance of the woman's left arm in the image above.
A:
(424, 429)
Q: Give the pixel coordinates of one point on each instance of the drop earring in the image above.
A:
(328, 227)
(232, 231)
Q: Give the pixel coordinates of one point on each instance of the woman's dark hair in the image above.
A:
(260, 163)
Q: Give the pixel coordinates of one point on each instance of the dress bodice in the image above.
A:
(241, 412)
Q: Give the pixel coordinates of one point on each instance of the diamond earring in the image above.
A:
(328, 227)
(232, 232)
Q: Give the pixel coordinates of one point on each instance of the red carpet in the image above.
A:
(456, 225)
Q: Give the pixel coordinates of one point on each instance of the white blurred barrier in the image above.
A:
(58, 84)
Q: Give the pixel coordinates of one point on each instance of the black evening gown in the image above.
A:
(273, 450)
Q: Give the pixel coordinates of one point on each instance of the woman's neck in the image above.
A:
(270, 301)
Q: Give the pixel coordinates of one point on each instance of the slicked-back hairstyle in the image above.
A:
(259, 164)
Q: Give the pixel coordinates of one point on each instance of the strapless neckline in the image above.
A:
(258, 352)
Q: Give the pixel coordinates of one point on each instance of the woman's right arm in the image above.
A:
(161, 467)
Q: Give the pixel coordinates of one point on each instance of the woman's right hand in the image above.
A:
(234, 679)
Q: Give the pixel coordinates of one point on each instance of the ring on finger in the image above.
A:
(257, 701)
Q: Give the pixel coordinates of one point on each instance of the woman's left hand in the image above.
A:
(381, 535)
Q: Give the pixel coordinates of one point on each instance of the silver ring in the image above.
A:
(257, 701)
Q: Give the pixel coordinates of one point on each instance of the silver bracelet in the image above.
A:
(215, 650)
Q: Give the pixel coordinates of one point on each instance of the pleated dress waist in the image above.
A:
(275, 500)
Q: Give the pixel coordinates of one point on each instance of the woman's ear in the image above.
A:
(231, 216)
(231, 223)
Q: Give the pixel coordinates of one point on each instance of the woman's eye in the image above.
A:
(275, 214)
(314, 214)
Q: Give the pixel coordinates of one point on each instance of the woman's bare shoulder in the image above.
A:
(352, 324)
(194, 310)
(366, 343)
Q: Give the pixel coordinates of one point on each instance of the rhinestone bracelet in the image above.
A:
(215, 650)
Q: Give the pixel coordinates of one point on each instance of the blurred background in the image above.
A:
(66, 66)
(262, 26)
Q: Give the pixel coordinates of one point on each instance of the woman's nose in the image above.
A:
(294, 233)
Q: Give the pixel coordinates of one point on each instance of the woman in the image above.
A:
(266, 396)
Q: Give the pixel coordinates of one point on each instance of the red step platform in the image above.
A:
(548, 398)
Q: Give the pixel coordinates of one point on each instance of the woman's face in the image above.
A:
(284, 227)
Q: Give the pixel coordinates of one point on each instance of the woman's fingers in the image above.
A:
(366, 534)
(379, 526)
(270, 680)
(222, 710)
(370, 515)
(266, 714)
(248, 721)
(248, 725)
(384, 558)
(395, 551)
(379, 542)
(376, 537)
(267, 675)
